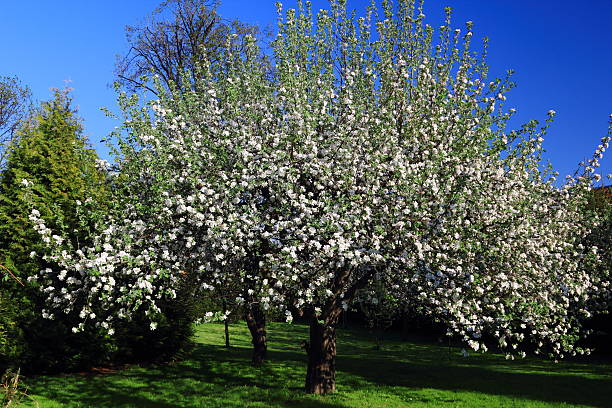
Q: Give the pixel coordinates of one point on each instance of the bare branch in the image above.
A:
(179, 36)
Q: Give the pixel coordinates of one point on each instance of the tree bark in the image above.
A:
(321, 350)
(256, 322)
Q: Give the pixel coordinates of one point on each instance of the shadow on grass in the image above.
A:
(420, 364)
(552, 387)
(218, 377)
(213, 377)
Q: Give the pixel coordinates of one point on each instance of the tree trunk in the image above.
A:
(256, 321)
(405, 326)
(227, 339)
(321, 350)
(226, 326)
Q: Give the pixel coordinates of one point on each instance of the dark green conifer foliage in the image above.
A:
(53, 155)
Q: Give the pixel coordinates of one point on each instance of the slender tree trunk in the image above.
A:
(405, 326)
(256, 321)
(226, 326)
(227, 339)
(321, 350)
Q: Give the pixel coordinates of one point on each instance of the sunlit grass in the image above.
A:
(402, 374)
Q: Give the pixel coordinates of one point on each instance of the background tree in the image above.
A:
(378, 307)
(15, 105)
(178, 36)
(600, 205)
(181, 40)
(52, 153)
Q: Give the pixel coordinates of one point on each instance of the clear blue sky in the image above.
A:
(561, 51)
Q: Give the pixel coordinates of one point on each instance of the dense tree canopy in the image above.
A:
(53, 158)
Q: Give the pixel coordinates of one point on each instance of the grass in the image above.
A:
(12, 391)
(403, 374)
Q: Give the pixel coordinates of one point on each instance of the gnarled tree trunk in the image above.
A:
(256, 321)
(321, 350)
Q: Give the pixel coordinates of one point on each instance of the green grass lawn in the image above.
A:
(403, 374)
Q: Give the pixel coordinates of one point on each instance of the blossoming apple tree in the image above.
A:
(372, 153)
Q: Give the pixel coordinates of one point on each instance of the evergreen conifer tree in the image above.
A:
(53, 157)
